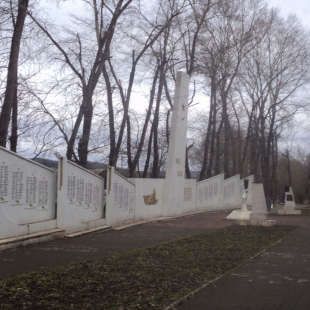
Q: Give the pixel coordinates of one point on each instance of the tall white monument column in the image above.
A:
(175, 173)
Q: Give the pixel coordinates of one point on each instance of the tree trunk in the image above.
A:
(84, 141)
(135, 162)
(71, 143)
(207, 140)
(11, 86)
(155, 170)
(148, 156)
(129, 160)
(289, 168)
(218, 149)
(187, 170)
(213, 134)
(14, 134)
(112, 155)
(226, 134)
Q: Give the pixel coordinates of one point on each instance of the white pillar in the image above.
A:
(175, 173)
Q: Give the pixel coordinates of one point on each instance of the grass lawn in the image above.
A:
(148, 278)
(305, 212)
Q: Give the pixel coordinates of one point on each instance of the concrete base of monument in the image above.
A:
(237, 215)
(32, 238)
(265, 223)
(289, 212)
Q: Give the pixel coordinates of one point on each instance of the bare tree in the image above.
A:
(10, 99)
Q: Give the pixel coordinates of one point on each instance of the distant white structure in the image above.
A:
(289, 206)
(242, 214)
(258, 217)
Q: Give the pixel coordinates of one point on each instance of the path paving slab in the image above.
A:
(62, 251)
(278, 279)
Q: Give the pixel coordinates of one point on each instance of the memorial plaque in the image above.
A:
(180, 173)
(115, 189)
(187, 193)
(131, 201)
(43, 194)
(228, 190)
(211, 191)
(120, 195)
(289, 198)
(96, 198)
(200, 194)
(205, 193)
(216, 189)
(178, 160)
(126, 198)
(80, 191)
(31, 191)
(71, 188)
(17, 186)
(4, 183)
(88, 194)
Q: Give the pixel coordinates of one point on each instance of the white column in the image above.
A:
(62, 192)
(175, 173)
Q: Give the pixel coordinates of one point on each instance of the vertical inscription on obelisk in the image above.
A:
(71, 188)
(120, 195)
(31, 190)
(131, 201)
(126, 198)
(115, 189)
(17, 186)
(88, 194)
(4, 183)
(80, 191)
(96, 198)
(43, 193)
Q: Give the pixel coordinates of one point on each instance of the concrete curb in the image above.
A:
(191, 294)
(89, 231)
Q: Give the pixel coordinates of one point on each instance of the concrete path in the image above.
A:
(62, 251)
(279, 279)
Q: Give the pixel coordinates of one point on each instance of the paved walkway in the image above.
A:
(62, 251)
(279, 279)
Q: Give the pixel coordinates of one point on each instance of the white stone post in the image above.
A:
(174, 182)
(62, 192)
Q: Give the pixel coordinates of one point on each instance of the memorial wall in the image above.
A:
(188, 201)
(120, 199)
(27, 195)
(80, 198)
(231, 193)
(210, 193)
(149, 198)
(28, 190)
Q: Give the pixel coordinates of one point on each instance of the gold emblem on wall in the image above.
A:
(151, 199)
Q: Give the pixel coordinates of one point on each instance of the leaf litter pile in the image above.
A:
(148, 278)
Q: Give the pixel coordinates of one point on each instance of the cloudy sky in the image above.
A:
(299, 7)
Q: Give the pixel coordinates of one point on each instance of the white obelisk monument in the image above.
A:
(175, 172)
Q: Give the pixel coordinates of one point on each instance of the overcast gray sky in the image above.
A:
(299, 7)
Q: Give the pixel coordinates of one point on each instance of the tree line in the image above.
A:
(95, 79)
